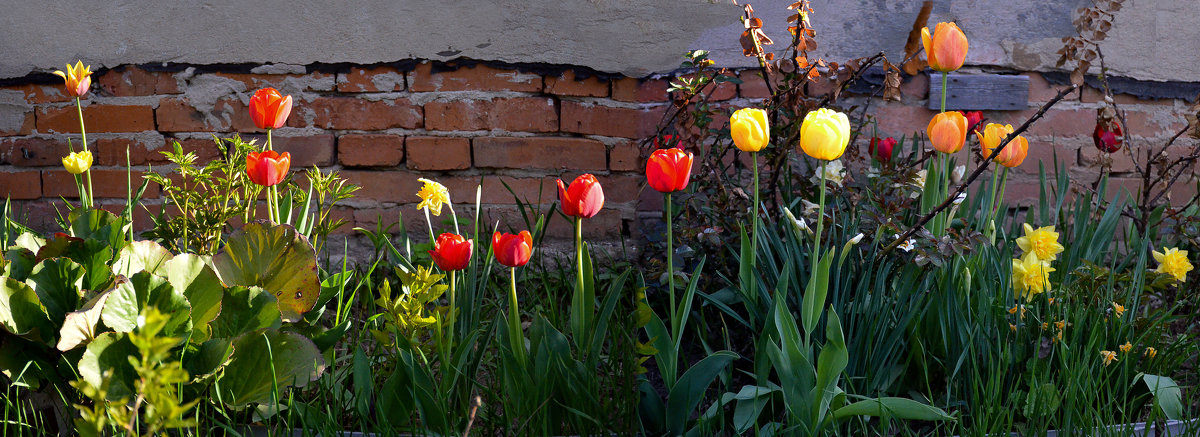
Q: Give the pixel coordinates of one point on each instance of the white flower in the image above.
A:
(960, 198)
(809, 207)
(834, 172)
(797, 223)
(919, 180)
(872, 172)
(957, 175)
(907, 245)
(857, 238)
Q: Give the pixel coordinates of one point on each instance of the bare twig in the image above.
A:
(975, 174)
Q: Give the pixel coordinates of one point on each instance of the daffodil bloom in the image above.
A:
(1030, 276)
(1150, 352)
(433, 195)
(1108, 356)
(1012, 327)
(1118, 309)
(1173, 262)
(1042, 242)
(78, 162)
(1125, 348)
(1061, 324)
(77, 78)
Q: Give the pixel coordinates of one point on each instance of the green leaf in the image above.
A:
(131, 296)
(1167, 395)
(21, 312)
(896, 408)
(101, 225)
(208, 359)
(193, 278)
(832, 361)
(79, 327)
(687, 393)
(245, 310)
(276, 258)
(815, 293)
(142, 256)
(19, 263)
(29, 242)
(293, 359)
(110, 351)
(58, 283)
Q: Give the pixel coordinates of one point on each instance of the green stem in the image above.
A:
(515, 339)
(453, 308)
(581, 306)
(754, 228)
(944, 77)
(820, 220)
(83, 132)
(671, 268)
(272, 192)
(1003, 185)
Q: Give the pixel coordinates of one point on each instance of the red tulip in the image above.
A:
(584, 199)
(881, 149)
(267, 168)
(451, 252)
(1108, 140)
(973, 120)
(269, 109)
(669, 170)
(512, 250)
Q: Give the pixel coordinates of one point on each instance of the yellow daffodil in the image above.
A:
(1030, 276)
(1042, 242)
(1173, 262)
(1057, 337)
(1150, 352)
(77, 78)
(1118, 309)
(1108, 356)
(78, 162)
(824, 134)
(1012, 327)
(1125, 348)
(1045, 326)
(433, 195)
(749, 129)
(1061, 324)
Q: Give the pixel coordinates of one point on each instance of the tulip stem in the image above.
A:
(944, 80)
(582, 305)
(754, 230)
(453, 308)
(671, 266)
(816, 255)
(515, 339)
(83, 132)
(1003, 185)
(272, 192)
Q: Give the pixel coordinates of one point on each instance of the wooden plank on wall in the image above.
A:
(980, 92)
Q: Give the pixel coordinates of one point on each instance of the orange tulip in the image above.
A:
(1014, 153)
(669, 170)
(78, 78)
(948, 131)
(269, 109)
(267, 168)
(946, 50)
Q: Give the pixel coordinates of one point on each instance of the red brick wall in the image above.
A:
(385, 126)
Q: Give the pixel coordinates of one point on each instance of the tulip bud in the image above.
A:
(78, 162)
(881, 149)
(749, 129)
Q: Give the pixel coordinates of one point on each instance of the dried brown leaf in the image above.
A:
(891, 85)
(913, 44)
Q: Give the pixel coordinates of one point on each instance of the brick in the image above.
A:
(33, 152)
(518, 114)
(1065, 123)
(1118, 162)
(396, 186)
(1130, 99)
(1041, 91)
(438, 153)
(605, 225)
(16, 120)
(143, 215)
(640, 90)
(285, 83)
(753, 86)
(111, 151)
(305, 150)
(226, 115)
(588, 119)
(20, 184)
(1151, 123)
(1046, 151)
(492, 190)
(474, 78)
(133, 81)
(375, 79)
(38, 94)
(625, 156)
(915, 87)
(539, 152)
(620, 189)
(206, 149)
(370, 150)
(569, 84)
(98, 118)
(106, 183)
(899, 120)
(352, 113)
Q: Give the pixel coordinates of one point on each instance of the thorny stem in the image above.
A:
(978, 171)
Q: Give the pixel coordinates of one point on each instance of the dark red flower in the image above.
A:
(973, 120)
(1108, 138)
(881, 149)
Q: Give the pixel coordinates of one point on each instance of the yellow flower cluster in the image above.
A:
(1173, 262)
(433, 195)
(1031, 272)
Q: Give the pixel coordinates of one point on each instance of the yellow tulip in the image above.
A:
(948, 131)
(825, 134)
(749, 129)
(946, 49)
(78, 162)
(77, 78)
(991, 137)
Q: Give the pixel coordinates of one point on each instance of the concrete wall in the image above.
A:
(1152, 39)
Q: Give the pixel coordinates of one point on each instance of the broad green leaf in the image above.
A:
(1166, 395)
(79, 327)
(276, 258)
(396, 402)
(26, 361)
(110, 351)
(29, 242)
(129, 297)
(830, 363)
(141, 256)
(687, 393)
(815, 293)
(18, 263)
(191, 276)
(21, 312)
(293, 359)
(245, 310)
(101, 225)
(208, 358)
(896, 408)
(58, 283)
